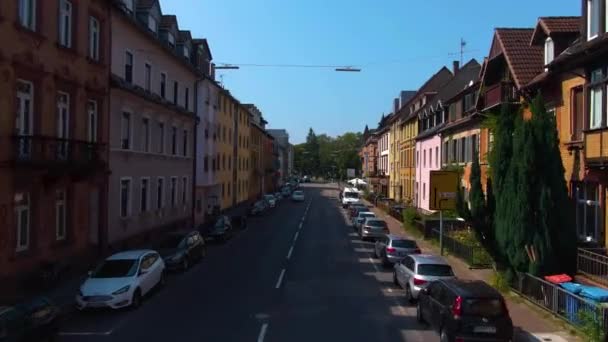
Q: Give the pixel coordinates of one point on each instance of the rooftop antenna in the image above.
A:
(462, 46)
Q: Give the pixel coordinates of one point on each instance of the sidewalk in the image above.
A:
(532, 324)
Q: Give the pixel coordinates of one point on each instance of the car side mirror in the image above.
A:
(142, 272)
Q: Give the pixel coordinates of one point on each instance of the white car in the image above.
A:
(298, 196)
(122, 280)
(349, 196)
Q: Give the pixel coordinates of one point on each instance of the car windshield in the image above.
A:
(171, 241)
(486, 307)
(435, 270)
(219, 224)
(376, 223)
(298, 193)
(118, 268)
(268, 197)
(364, 215)
(404, 244)
(351, 195)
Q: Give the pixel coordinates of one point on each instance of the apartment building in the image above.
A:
(242, 154)
(257, 142)
(153, 81)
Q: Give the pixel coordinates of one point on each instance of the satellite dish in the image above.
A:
(471, 83)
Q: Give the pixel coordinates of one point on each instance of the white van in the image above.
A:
(349, 196)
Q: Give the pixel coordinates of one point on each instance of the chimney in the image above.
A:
(395, 105)
(456, 67)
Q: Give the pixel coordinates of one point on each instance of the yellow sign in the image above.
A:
(443, 190)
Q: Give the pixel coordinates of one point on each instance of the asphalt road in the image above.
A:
(299, 273)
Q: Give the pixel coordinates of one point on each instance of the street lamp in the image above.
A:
(348, 69)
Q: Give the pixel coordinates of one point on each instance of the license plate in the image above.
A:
(96, 305)
(485, 329)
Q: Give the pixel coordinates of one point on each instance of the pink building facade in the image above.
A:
(428, 158)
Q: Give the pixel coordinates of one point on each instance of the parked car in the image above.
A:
(286, 191)
(180, 249)
(360, 218)
(349, 196)
(270, 200)
(278, 196)
(258, 208)
(222, 229)
(352, 210)
(464, 310)
(31, 321)
(298, 196)
(393, 248)
(122, 280)
(373, 228)
(415, 272)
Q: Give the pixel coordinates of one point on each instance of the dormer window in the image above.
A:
(171, 39)
(186, 52)
(593, 18)
(128, 5)
(549, 51)
(152, 24)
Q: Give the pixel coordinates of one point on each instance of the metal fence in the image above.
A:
(474, 256)
(566, 305)
(592, 265)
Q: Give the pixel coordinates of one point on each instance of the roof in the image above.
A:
(524, 61)
(204, 42)
(472, 288)
(429, 259)
(432, 84)
(145, 3)
(184, 35)
(555, 26)
(133, 254)
(467, 75)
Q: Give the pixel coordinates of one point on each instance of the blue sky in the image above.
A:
(397, 43)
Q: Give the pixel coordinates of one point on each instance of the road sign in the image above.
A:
(350, 173)
(443, 190)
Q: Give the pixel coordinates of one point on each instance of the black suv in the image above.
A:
(180, 249)
(462, 310)
(35, 320)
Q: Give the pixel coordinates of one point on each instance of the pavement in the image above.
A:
(297, 273)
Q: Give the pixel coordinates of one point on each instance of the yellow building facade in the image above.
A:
(407, 172)
(224, 138)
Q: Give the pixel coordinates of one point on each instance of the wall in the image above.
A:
(423, 168)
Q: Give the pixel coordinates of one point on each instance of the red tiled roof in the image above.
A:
(525, 61)
(552, 26)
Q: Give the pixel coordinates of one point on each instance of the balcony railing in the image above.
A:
(592, 265)
(502, 92)
(596, 146)
(41, 151)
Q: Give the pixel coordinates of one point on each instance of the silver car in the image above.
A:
(373, 228)
(415, 272)
(360, 218)
(393, 248)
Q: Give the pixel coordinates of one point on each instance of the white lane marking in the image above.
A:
(280, 279)
(374, 264)
(289, 253)
(262, 332)
(295, 238)
(85, 333)
(390, 290)
(300, 226)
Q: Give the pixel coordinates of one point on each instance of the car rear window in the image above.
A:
(351, 195)
(404, 244)
(367, 215)
(486, 307)
(436, 270)
(376, 223)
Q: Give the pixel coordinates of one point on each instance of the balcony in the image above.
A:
(502, 92)
(596, 147)
(50, 153)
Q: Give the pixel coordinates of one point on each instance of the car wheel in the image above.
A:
(136, 299)
(185, 264)
(408, 294)
(443, 336)
(419, 314)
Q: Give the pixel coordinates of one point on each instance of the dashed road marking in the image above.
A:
(289, 253)
(280, 279)
(295, 238)
(85, 333)
(262, 334)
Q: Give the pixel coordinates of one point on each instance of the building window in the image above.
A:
(224, 134)
(175, 92)
(171, 39)
(185, 143)
(148, 77)
(125, 132)
(229, 164)
(94, 34)
(60, 215)
(92, 121)
(184, 190)
(144, 195)
(424, 158)
(22, 221)
(163, 84)
(173, 190)
(65, 23)
(223, 192)
(596, 99)
(593, 18)
(577, 115)
(423, 190)
(24, 116)
(160, 196)
(588, 211)
(27, 13)
(145, 128)
(161, 137)
(186, 52)
(63, 123)
(174, 140)
(437, 156)
(187, 98)
(152, 24)
(223, 162)
(549, 51)
(431, 157)
(125, 197)
(128, 67)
